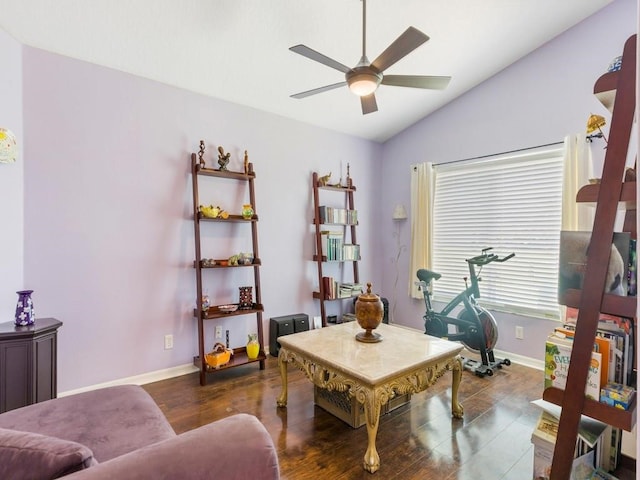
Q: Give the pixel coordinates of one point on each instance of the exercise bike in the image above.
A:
(474, 326)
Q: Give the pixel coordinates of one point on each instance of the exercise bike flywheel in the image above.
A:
(489, 326)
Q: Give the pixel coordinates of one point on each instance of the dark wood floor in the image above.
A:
(419, 440)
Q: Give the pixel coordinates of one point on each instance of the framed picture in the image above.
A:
(573, 262)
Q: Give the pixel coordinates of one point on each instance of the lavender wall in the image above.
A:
(538, 100)
(11, 180)
(109, 242)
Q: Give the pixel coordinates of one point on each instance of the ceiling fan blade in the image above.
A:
(416, 81)
(369, 104)
(406, 43)
(319, 57)
(326, 88)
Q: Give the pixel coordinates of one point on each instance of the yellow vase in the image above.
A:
(247, 211)
(253, 347)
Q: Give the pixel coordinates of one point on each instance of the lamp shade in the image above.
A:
(595, 122)
(399, 213)
(363, 80)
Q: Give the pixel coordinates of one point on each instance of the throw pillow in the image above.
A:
(35, 456)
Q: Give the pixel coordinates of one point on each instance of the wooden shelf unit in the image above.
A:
(616, 91)
(239, 357)
(321, 294)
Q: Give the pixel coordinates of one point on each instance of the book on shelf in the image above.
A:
(593, 445)
(557, 358)
(573, 262)
(334, 289)
(601, 344)
(324, 235)
(350, 252)
(328, 286)
(350, 289)
(334, 246)
(620, 332)
(340, 216)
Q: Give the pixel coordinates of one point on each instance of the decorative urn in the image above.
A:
(247, 211)
(369, 313)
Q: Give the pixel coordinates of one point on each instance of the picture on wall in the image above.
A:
(573, 262)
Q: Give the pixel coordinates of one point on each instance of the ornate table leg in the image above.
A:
(282, 364)
(372, 416)
(456, 408)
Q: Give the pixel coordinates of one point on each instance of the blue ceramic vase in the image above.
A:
(24, 309)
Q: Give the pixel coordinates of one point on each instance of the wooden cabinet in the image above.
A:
(28, 363)
(204, 267)
(344, 223)
(616, 90)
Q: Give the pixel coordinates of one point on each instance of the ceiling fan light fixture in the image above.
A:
(363, 83)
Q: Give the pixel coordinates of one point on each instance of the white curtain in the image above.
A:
(422, 195)
(578, 169)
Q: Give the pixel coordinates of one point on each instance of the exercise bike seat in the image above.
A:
(426, 276)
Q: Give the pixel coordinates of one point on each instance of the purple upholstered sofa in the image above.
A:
(120, 433)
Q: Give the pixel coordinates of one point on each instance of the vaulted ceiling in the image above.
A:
(238, 50)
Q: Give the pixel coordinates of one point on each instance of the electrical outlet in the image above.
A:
(168, 342)
(520, 333)
(218, 331)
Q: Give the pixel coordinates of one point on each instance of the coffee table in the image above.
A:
(406, 361)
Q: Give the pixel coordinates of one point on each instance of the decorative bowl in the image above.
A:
(228, 308)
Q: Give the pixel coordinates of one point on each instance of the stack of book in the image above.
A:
(592, 451)
(333, 289)
(611, 378)
(350, 290)
(557, 355)
(618, 334)
(340, 216)
(334, 248)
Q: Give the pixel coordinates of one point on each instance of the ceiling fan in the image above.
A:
(365, 77)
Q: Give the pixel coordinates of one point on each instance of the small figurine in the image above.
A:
(324, 180)
(246, 162)
(223, 158)
(349, 181)
(201, 154)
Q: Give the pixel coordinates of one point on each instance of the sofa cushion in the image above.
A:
(110, 421)
(31, 455)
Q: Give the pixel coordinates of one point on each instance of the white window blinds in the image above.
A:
(512, 204)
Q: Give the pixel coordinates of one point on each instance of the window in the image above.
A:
(512, 204)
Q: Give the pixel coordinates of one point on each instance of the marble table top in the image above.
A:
(401, 349)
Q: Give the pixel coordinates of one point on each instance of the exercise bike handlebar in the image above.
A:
(485, 259)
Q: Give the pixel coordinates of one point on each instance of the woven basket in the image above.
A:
(219, 356)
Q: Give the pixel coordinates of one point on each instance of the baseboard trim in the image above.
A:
(514, 357)
(142, 379)
(521, 359)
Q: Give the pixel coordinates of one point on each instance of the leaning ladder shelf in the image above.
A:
(616, 90)
(322, 294)
(239, 356)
